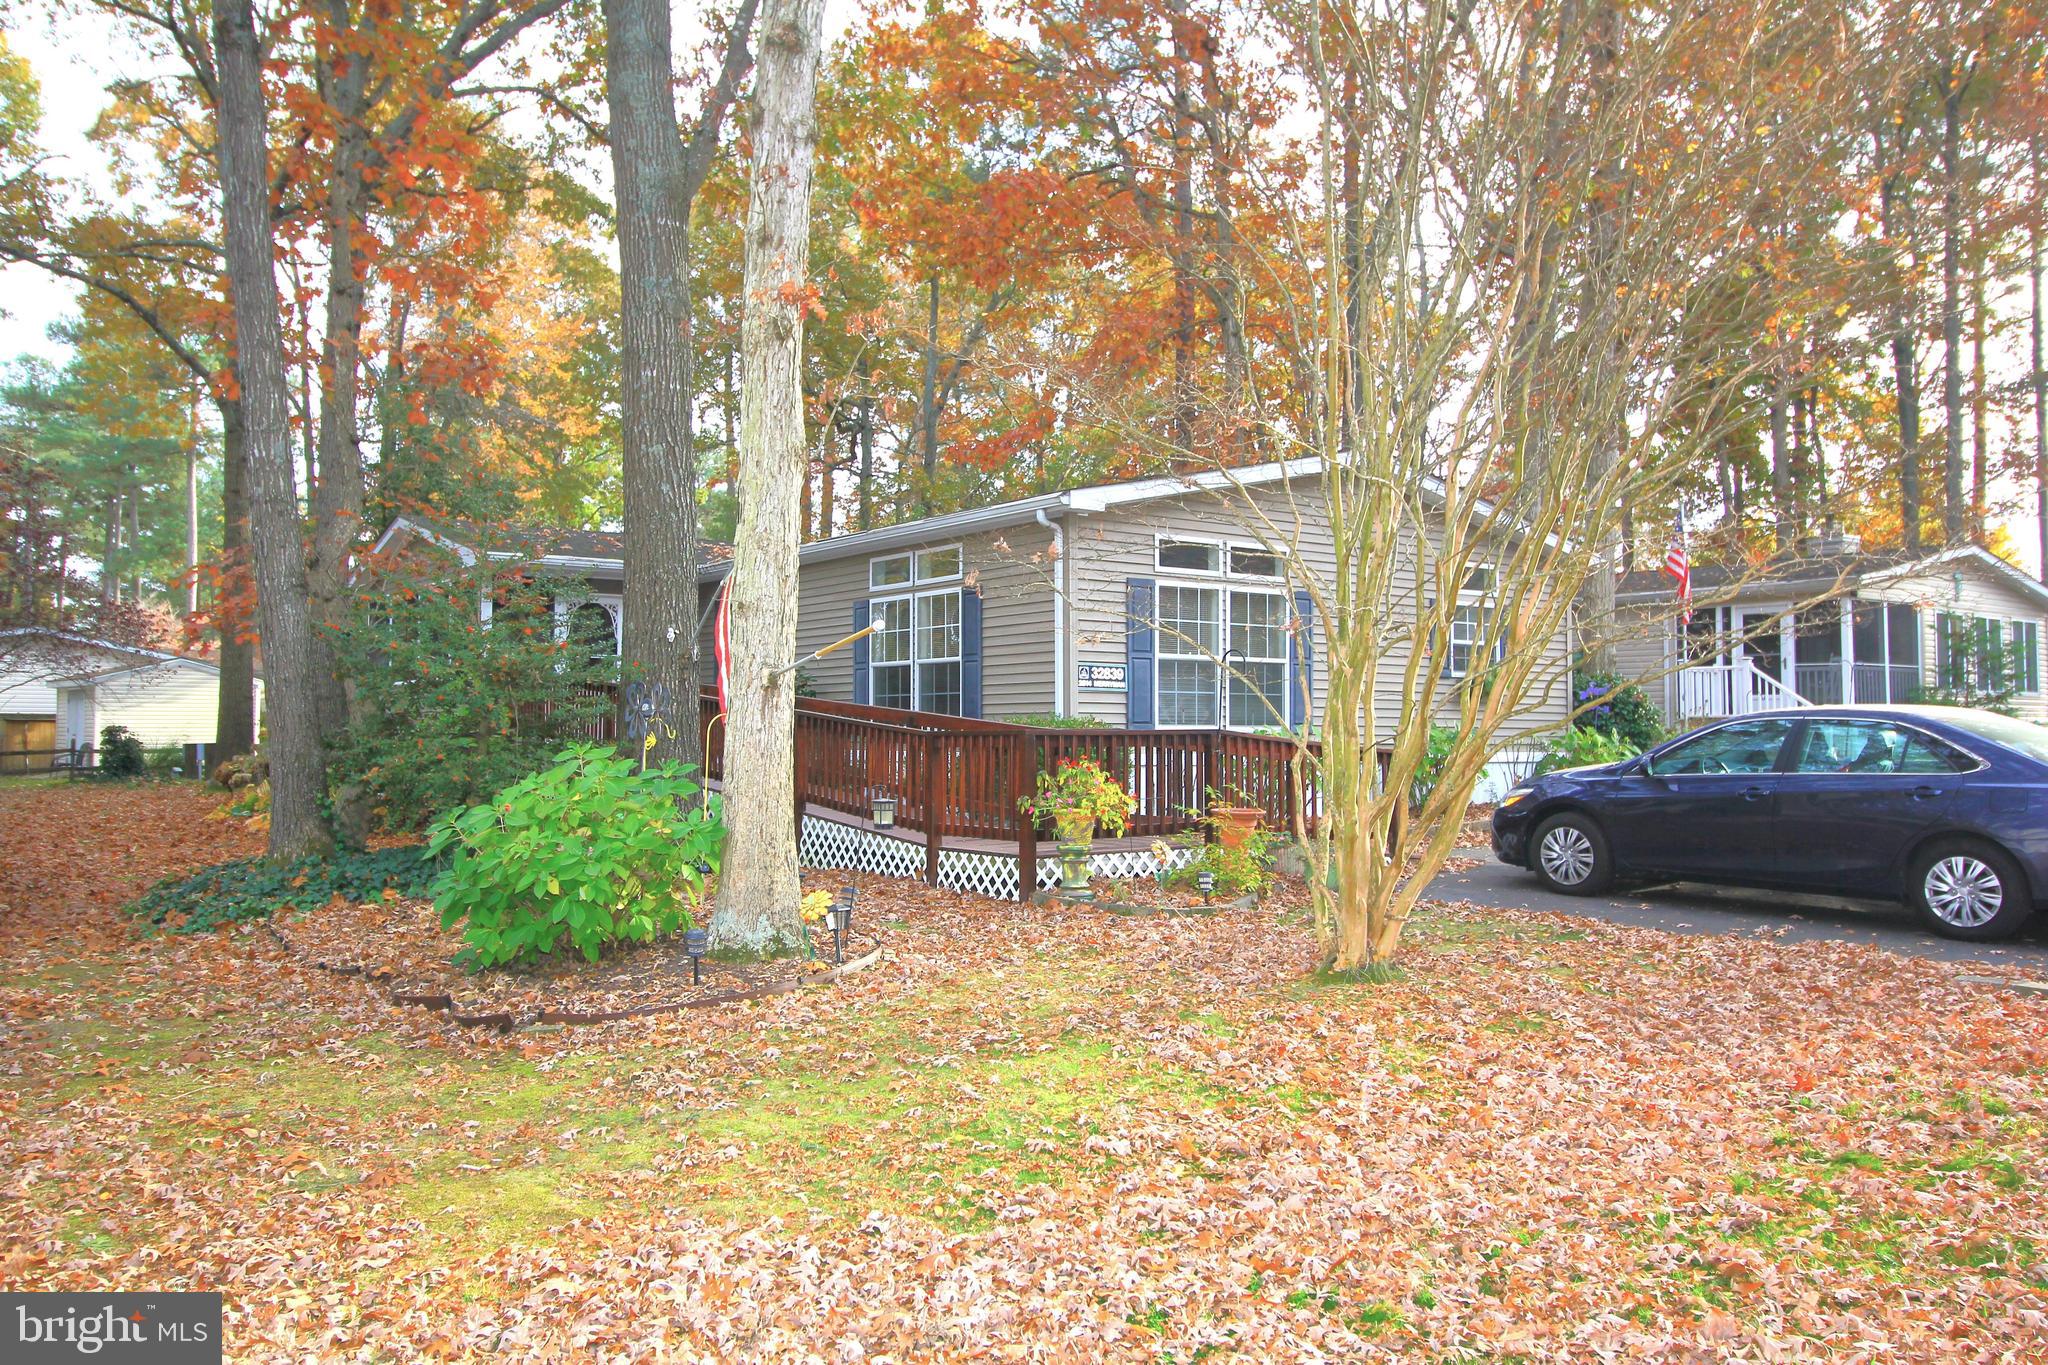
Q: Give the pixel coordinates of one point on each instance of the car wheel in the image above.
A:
(1569, 855)
(1964, 889)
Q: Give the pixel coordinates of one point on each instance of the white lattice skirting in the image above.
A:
(829, 844)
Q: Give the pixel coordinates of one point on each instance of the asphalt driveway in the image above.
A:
(1691, 908)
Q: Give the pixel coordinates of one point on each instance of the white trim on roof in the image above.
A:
(88, 679)
(45, 632)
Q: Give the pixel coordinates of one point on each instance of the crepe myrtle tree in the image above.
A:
(1505, 306)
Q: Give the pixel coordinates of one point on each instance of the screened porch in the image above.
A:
(1771, 657)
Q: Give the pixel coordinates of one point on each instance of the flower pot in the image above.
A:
(1074, 826)
(1077, 837)
(1235, 824)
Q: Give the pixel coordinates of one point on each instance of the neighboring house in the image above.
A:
(1832, 625)
(1116, 602)
(58, 691)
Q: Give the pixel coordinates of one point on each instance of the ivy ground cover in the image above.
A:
(1033, 1133)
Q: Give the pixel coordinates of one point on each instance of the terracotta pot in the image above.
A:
(1235, 824)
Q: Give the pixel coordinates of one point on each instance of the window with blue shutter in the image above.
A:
(860, 654)
(1140, 649)
(970, 653)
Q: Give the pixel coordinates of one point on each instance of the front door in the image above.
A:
(1856, 793)
(1704, 806)
(78, 718)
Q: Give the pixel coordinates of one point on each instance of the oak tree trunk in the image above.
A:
(758, 888)
(296, 767)
(234, 727)
(659, 468)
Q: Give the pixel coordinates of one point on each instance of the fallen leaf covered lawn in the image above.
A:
(1081, 1137)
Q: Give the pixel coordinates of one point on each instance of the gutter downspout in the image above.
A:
(1059, 611)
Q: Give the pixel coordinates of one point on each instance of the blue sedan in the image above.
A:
(1943, 807)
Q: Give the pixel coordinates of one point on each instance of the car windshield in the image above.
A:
(2021, 735)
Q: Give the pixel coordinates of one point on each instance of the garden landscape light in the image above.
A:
(884, 811)
(846, 898)
(695, 941)
(838, 917)
(1206, 880)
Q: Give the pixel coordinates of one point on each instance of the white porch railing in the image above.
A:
(1868, 684)
(1733, 689)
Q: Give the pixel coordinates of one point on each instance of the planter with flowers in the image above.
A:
(1077, 799)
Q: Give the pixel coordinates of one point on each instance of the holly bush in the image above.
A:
(121, 753)
(590, 851)
(449, 709)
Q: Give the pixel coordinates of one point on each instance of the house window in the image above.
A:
(2025, 656)
(592, 628)
(936, 647)
(1250, 561)
(1190, 556)
(1258, 672)
(1195, 626)
(933, 565)
(889, 571)
(1469, 624)
(914, 654)
(889, 662)
(1190, 635)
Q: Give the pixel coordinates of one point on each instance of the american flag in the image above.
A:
(721, 638)
(1678, 565)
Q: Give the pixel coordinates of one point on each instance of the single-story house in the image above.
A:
(1832, 625)
(59, 690)
(1117, 602)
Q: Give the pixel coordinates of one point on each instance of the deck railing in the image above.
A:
(957, 778)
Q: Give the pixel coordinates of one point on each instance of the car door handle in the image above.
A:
(1755, 793)
(1925, 793)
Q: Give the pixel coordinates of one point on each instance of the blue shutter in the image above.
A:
(1301, 662)
(860, 653)
(1141, 646)
(970, 652)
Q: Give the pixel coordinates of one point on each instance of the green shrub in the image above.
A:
(1443, 742)
(121, 753)
(1620, 708)
(1046, 720)
(450, 710)
(1238, 871)
(253, 888)
(1581, 747)
(590, 851)
(165, 760)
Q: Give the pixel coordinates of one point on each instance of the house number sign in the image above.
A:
(1101, 677)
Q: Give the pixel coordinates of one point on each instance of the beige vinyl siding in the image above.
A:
(1985, 592)
(1106, 550)
(1013, 571)
(1642, 651)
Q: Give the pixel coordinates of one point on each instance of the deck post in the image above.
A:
(1023, 780)
(934, 806)
(1212, 764)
